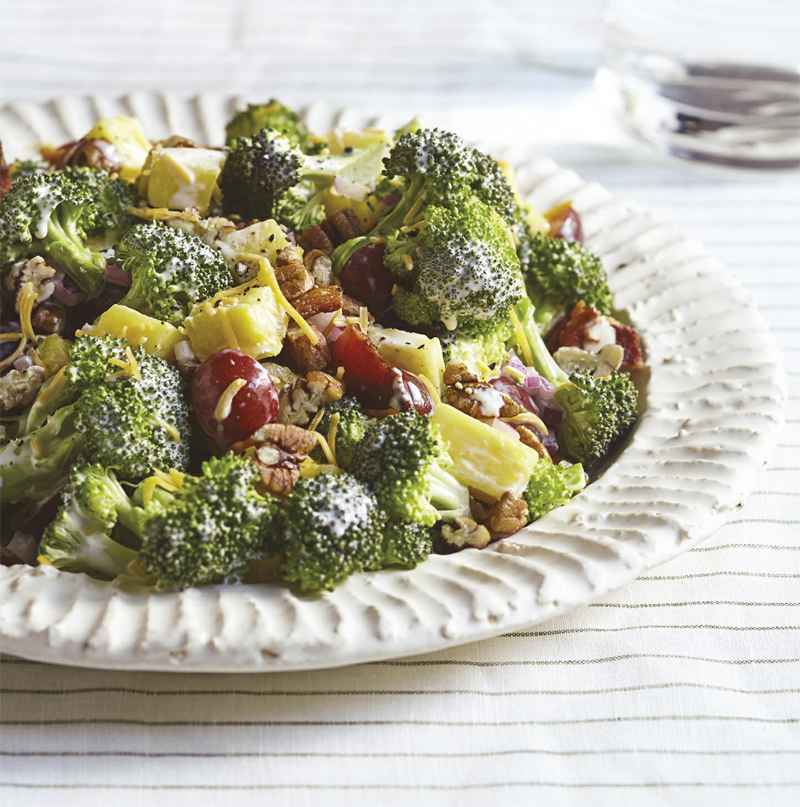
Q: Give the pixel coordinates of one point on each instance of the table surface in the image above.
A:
(680, 688)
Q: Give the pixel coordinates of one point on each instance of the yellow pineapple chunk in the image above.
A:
(248, 318)
(156, 337)
(263, 238)
(181, 178)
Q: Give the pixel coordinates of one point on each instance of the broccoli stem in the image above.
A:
(532, 345)
(448, 495)
(35, 466)
(64, 243)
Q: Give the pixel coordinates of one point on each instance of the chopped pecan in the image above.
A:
(302, 354)
(481, 400)
(35, 271)
(280, 449)
(352, 308)
(319, 300)
(300, 401)
(291, 274)
(528, 437)
(468, 533)
(507, 515)
(339, 227)
(456, 372)
(319, 266)
(18, 389)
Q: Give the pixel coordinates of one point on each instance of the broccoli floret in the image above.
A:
(171, 271)
(493, 188)
(210, 529)
(259, 170)
(596, 410)
(24, 168)
(551, 485)
(46, 214)
(353, 425)
(404, 459)
(274, 115)
(560, 274)
(111, 198)
(480, 350)
(79, 539)
(406, 544)
(457, 265)
(123, 409)
(36, 465)
(329, 527)
(301, 206)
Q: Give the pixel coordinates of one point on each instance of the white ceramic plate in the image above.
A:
(714, 407)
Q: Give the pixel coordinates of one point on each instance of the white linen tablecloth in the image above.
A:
(682, 688)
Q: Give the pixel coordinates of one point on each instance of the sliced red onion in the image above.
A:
(335, 332)
(350, 190)
(66, 291)
(117, 275)
(322, 320)
(504, 427)
(290, 237)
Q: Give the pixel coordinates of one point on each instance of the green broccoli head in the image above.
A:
(492, 187)
(22, 168)
(79, 539)
(329, 527)
(47, 214)
(481, 349)
(596, 412)
(209, 530)
(552, 485)
(111, 199)
(274, 115)
(436, 164)
(560, 274)
(350, 430)
(171, 271)
(261, 170)
(406, 544)
(135, 419)
(457, 266)
(300, 206)
(404, 459)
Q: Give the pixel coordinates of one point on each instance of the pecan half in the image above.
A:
(319, 266)
(319, 300)
(280, 449)
(97, 153)
(481, 400)
(456, 372)
(302, 354)
(299, 402)
(528, 437)
(339, 227)
(468, 533)
(291, 274)
(507, 515)
(18, 389)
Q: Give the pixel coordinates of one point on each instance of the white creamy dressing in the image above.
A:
(339, 516)
(490, 399)
(45, 211)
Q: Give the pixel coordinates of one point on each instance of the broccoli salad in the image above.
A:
(293, 358)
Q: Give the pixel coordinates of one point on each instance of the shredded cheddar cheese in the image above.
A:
(312, 427)
(527, 417)
(409, 217)
(267, 274)
(326, 449)
(408, 263)
(523, 342)
(226, 399)
(335, 418)
(53, 387)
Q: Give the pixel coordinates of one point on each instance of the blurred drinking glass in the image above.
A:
(712, 80)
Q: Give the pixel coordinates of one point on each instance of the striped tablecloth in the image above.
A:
(683, 688)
